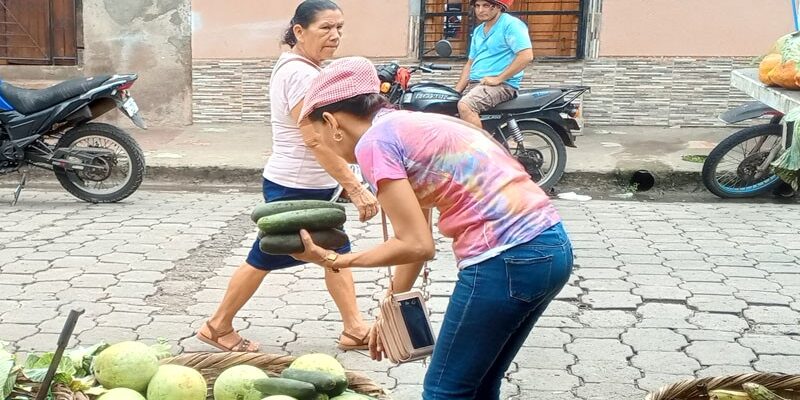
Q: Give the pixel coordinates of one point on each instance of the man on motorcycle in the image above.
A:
(499, 52)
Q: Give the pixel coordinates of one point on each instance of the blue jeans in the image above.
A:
(275, 192)
(491, 312)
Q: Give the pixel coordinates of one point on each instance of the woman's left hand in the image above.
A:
(313, 253)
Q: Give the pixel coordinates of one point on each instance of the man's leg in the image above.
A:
(479, 98)
(468, 114)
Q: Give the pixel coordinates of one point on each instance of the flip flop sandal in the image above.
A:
(243, 345)
(361, 343)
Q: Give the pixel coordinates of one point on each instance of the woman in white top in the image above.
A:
(293, 172)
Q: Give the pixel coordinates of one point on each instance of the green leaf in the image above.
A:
(8, 373)
(35, 368)
(82, 358)
(82, 384)
(163, 349)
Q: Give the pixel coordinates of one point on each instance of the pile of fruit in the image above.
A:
(781, 66)
(133, 371)
(279, 224)
(752, 391)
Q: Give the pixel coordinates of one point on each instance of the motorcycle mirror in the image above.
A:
(444, 48)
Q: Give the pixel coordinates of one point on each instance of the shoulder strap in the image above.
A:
(298, 58)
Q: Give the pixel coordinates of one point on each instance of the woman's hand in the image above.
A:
(375, 344)
(366, 203)
(312, 253)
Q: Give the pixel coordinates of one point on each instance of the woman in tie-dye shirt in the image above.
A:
(512, 251)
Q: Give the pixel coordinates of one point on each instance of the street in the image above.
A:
(660, 291)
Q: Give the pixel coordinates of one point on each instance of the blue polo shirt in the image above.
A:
(491, 53)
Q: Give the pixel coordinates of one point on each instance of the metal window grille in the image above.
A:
(557, 27)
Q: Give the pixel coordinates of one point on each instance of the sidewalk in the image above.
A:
(232, 153)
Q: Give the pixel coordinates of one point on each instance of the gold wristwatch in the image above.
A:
(331, 257)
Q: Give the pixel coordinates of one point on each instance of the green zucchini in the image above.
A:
(290, 243)
(288, 387)
(324, 382)
(277, 207)
(311, 220)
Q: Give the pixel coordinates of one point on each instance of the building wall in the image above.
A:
(152, 39)
(253, 28)
(662, 62)
(708, 28)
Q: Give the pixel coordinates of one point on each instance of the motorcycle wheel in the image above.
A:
(730, 169)
(544, 155)
(120, 175)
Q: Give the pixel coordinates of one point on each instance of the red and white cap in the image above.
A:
(342, 79)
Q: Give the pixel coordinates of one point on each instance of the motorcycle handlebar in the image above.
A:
(440, 67)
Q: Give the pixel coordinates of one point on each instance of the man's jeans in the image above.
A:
(491, 312)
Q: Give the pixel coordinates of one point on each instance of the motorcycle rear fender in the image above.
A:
(749, 110)
(560, 125)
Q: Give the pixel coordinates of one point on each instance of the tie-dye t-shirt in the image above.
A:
(486, 201)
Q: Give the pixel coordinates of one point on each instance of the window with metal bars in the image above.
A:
(39, 32)
(557, 27)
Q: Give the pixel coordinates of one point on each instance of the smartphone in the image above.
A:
(417, 324)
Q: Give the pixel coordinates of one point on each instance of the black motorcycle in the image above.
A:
(535, 127)
(51, 128)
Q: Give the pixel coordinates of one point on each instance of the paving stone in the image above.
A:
(666, 362)
(607, 284)
(722, 370)
(689, 265)
(722, 304)
(713, 288)
(770, 344)
(569, 292)
(547, 337)
(653, 280)
(730, 261)
(596, 333)
(721, 353)
(653, 340)
(698, 276)
(723, 322)
(606, 318)
(708, 334)
(13, 333)
(611, 300)
(605, 391)
(772, 315)
(605, 372)
(645, 269)
(759, 284)
(654, 381)
(599, 349)
(778, 364)
(763, 298)
(27, 315)
(545, 380)
(545, 358)
(656, 293)
(93, 281)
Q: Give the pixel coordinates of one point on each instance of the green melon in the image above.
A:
(236, 383)
(121, 394)
(176, 382)
(126, 365)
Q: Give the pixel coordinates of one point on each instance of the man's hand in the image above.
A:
(491, 81)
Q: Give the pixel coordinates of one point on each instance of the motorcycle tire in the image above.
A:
(554, 141)
(77, 182)
(711, 164)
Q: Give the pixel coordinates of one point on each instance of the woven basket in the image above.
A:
(787, 386)
(211, 365)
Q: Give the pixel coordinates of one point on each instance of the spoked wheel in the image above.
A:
(543, 153)
(734, 169)
(112, 163)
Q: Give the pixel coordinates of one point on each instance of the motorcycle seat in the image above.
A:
(530, 99)
(29, 101)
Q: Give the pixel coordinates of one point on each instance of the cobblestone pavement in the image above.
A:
(661, 291)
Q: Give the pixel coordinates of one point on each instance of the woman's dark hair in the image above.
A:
(304, 15)
(362, 106)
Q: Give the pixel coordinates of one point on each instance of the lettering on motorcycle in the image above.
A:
(434, 96)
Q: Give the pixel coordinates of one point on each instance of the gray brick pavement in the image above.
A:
(712, 288)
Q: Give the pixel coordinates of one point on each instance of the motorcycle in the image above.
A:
(51, 129)
(739, 166)
(536, 126)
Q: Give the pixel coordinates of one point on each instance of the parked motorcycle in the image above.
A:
(535, 127)
(739, 166)
(51, 128)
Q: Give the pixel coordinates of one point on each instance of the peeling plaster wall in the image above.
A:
(151, 38)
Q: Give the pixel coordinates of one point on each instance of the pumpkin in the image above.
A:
(785, 75)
